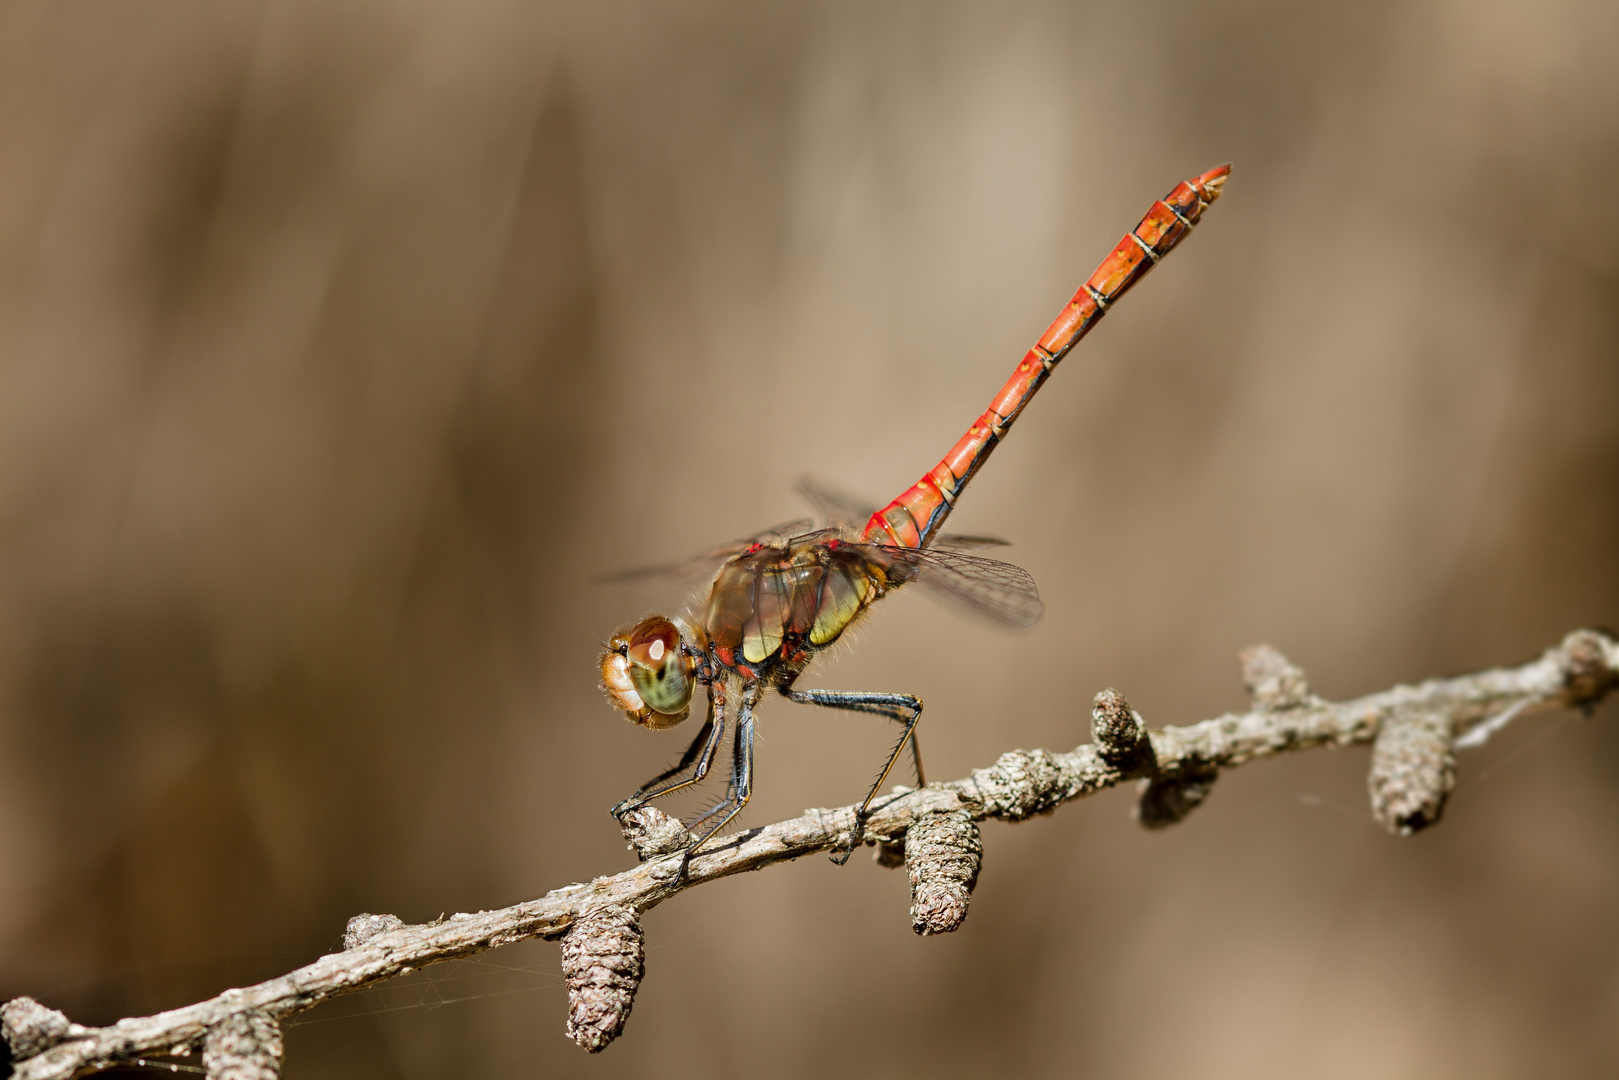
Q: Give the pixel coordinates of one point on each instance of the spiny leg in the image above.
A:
(901, 707)
(646, 791)
(741, 788)
(718, 807)
(701, 751)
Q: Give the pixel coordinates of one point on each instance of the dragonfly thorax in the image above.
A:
(777, 604)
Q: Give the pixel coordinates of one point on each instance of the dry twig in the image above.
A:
(1415, 730)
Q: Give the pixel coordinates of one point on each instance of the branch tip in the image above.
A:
(1590, 668)
(30, 1028)
(1272, 680)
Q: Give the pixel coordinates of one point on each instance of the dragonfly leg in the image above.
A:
(715, 810)
(741, 786)
(903, 708)
(700, 752)
(721, 805)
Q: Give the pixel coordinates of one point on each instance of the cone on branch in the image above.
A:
(603, 957)
(1413, 770)
(943, 852)
(246, 1046)
(1120, 734)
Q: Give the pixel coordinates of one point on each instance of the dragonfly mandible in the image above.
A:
(781, 598)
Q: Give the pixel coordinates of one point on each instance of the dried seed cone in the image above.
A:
(1413, 770)
(1120, 734)
(602, 960)
(942, 855)
(246, 1046)
(30, 1027)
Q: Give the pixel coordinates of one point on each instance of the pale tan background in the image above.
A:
(341, 342)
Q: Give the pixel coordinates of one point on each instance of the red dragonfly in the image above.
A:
(782, 597)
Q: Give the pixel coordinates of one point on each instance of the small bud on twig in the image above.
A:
(602, 959)
(1589, 672)
(363, 927)
(1272, 680)
(1120, 734)
(652, 833)
(1167, 799)
(246, 1046)
(1413, 770)
(30, 1027)
(942, 854)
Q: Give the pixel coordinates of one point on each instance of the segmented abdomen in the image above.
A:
(913, 519)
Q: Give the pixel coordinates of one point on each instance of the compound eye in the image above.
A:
(661, 672)
(652, 641)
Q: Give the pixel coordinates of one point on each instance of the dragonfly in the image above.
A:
(781, 598)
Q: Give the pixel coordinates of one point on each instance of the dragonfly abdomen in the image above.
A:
(914, 519)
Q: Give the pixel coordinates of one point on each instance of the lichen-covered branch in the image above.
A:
(1415, 730)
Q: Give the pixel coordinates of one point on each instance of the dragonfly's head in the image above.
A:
(650, 669)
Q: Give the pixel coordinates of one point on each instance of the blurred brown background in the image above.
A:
(341, 342)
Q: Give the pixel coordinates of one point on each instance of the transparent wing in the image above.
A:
(833, 506)
(949, 541)
(996, 591)
(847, 511)
(707, 561)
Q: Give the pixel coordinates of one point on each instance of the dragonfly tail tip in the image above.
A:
(1212, 181)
